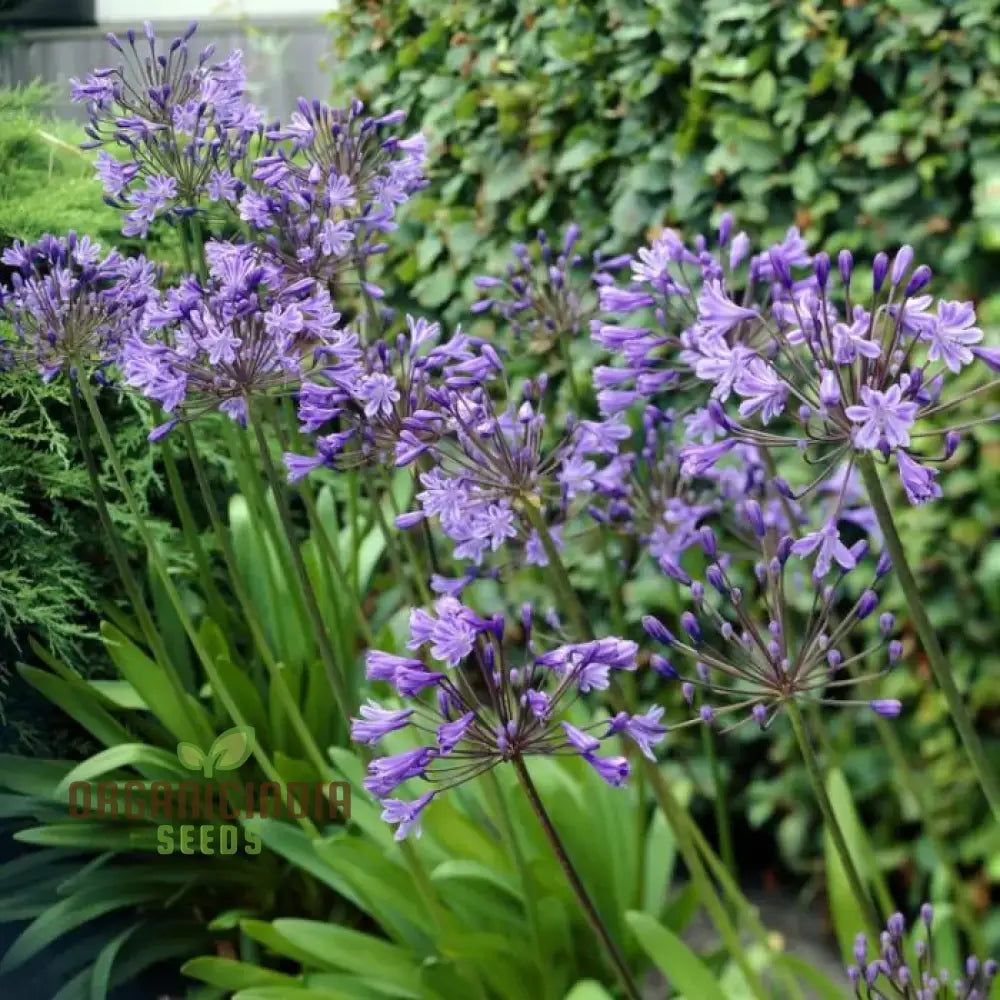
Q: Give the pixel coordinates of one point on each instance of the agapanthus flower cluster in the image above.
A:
(245, 333)
(377, 407)
(328, 185)
(541, 292)
(479, 704)
(484, 467)
(750, 651)
(70, 305)
(832, 371)
(899, 972)
(184, 126)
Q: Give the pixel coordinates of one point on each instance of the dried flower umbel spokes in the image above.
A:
(892, 975)
(70, 306)
(481, 708)
(746, 667)
(185, 125)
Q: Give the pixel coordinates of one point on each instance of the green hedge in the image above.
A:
(865, 123)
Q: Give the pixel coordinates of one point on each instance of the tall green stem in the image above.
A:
(987, 775)
(719, 794)
(218, 686)
(118, 553)
(579, 889)
(326, 652)
(854, 879)
(557, 572)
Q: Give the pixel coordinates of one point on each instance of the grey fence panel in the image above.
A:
(285, 59)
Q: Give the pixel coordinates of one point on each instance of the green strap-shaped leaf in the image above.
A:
(686, 972)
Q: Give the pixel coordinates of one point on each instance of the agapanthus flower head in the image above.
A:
(484, 465)
(812, 592)
(363, 410)
(328, 185)
(70, 305)
(183, 124)
(547, 290)
(474, 703)
(245, 333)
(906, 969)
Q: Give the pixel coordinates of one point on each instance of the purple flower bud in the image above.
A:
(715, 577)
(919, 280)
(867, 604)
(708, 542)
(880, 268)
(821, 268)
(829, 389)
(725, 228)
(896, 925)
(951, 442)
(884, 564)
(834, 659)
(780, 266)
(697, 590)
(687, 690)
(860, 949)
(888, 708)
(886, 623)
(785, 548)
(895, 651)
(901, 264)
(756, 518)
(759, 713)
(706, 713)
(409, 520)
(655, 629)
(663, 667)
(927, 914)
(845, 263)
(690, 625)
(989, 968)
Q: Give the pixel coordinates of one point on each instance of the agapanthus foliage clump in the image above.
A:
(907, 970)
(479, 704)
(183, 124)
(755, 640)
(327, 186)
(244, 333)
(806, 358)
(72, 306)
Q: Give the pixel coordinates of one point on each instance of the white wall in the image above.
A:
(133, 12)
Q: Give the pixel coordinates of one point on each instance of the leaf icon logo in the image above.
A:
(229, 751)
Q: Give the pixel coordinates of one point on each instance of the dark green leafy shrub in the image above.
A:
(866, 124)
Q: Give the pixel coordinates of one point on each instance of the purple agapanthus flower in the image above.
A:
(482, 710)
(812, 367)
(71, 306)
(245, 333)
(907, 969)
(183, 125)
(327, 185)
(749, 667)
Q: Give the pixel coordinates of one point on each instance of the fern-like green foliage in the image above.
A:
(53, 565)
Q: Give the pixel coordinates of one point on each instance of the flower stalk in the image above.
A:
(987, 775)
